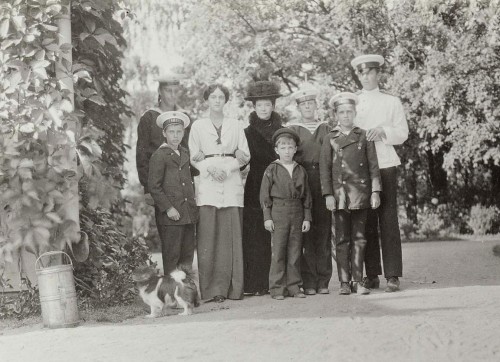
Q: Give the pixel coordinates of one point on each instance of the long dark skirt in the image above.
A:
(220, 252)
(256, 250)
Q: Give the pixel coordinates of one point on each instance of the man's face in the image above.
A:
(169, 94)
(345, 114)
(369, 78)
(307, 109)
(174, 134)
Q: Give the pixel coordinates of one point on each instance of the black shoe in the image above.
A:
(371, 282)
(392, 284)
(219, 299)
(310, 291)
(345, 288)
(359, 288)
(261, 293)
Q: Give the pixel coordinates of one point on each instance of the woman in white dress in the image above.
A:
(220, 198)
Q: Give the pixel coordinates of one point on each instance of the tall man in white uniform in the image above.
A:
(382, 115)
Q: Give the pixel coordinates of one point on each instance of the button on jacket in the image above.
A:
(277, 184)
(171, 185)
(379, 109)
(349, 169)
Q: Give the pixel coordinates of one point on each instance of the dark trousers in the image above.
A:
(286, 246)
(316, 260)
(385, 218)
(350, 243)
(177, 246)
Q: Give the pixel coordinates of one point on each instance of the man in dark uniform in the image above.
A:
(382, 116)
(149, 138)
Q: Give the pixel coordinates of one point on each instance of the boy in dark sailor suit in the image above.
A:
(171, 186)
(350, 182)
(286, 202)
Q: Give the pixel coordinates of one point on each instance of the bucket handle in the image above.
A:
(48, 253)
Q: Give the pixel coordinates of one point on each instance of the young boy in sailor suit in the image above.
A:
(171, 186)
(350, 182)
(286, 202)
(382, 116)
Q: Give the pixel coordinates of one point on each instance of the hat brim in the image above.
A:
(268, 96)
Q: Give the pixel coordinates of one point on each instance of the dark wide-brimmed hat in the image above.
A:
(262, 89)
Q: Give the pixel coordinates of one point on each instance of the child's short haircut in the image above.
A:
(285, 140)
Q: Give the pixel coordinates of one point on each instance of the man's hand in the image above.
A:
(306, 225)
(330, 203)
(375, 200)
(173, 214)
(200, 156)
(148, 199)
(375, 134)
(269, 225)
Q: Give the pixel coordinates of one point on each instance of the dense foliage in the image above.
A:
(105, 277)
(442, 61)
(41, 129)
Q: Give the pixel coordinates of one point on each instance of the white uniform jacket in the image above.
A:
(379, 109)
(203, 137)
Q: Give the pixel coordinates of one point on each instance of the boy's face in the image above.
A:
(307, 108)
(285, 148)
(174, 134)
(345, 114)
(369, 78)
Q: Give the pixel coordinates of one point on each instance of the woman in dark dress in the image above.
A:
(264, 121)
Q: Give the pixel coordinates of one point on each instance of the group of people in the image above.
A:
(273, 232)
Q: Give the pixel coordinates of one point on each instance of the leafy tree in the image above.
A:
(36, 174)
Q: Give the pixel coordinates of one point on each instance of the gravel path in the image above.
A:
(447, 311)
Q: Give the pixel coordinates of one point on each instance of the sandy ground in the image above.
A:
(448, 310)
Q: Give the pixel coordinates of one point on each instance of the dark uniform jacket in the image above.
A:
(277, 184)
(149, 138)
(349, 169)
(171, 185)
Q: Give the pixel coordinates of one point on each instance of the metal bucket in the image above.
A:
(57, 293)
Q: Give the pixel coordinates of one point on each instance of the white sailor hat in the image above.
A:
(305, 93)
(367, 61)
(343, 98)
(169, 79)
(172, 117)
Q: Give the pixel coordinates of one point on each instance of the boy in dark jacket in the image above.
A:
(286, 202)
(350, 182)
(171, 186)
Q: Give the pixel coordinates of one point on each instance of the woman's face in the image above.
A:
(216, 100)
(263, 108)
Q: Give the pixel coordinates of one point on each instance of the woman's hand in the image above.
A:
(241, 156)
(330, 203)
(269, 225)
(306, 225)
(200, 156)
(217, 173)
(173, 214)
